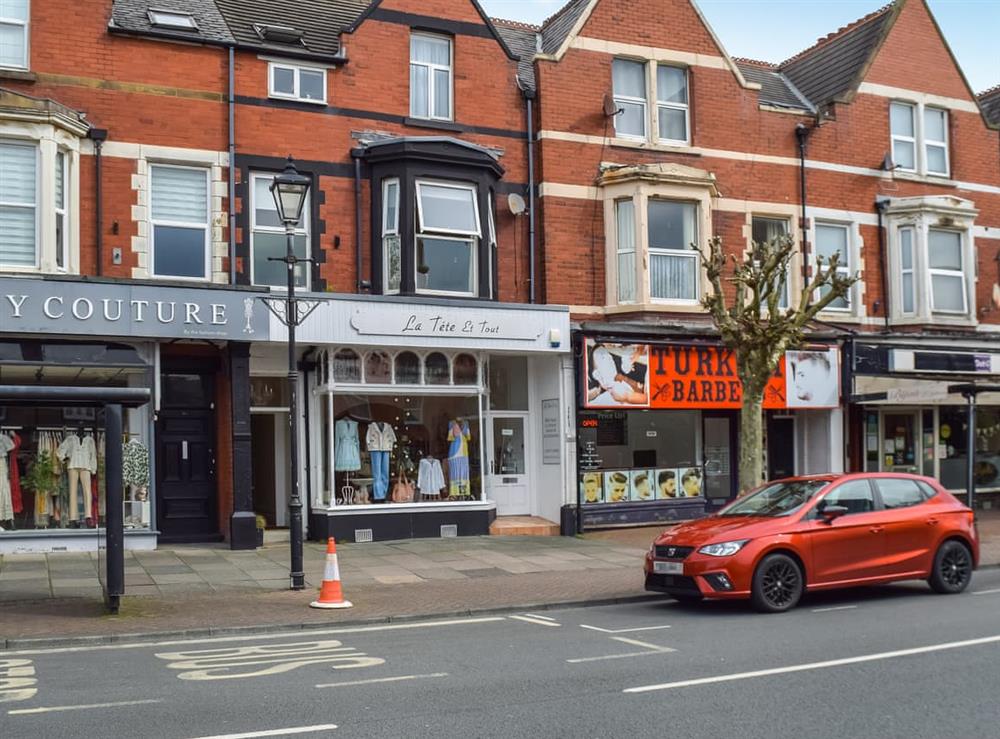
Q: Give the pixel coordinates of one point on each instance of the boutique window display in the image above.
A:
(406, 426)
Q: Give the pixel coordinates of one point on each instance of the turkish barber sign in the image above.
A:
(127, 310)
(651, 376)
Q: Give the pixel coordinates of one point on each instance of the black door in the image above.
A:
(187, 498)
(780, 447)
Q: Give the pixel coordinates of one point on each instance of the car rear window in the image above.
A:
(897, 493)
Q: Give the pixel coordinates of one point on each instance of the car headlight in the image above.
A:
(725, 549)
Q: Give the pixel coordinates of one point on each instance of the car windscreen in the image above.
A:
(776, 499)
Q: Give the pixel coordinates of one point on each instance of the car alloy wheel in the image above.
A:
(952, 568)
(777, 584)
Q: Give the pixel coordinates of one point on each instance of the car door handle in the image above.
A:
(931, 521)
(877, 529)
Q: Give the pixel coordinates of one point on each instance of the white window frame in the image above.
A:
(691, 254)
(172, 19)
(644, 102)
(660, 105)
(35, 206)
(960, 273)
(619, 251)
(25, 25)
(842, 269)
(786, 296)
(920, 142)
(207, 225)
(62, 246)
(431, 68)
(911, 270)
(297, 70)
(303, 229)
(492, 232)
(446, 234)
(390, 231)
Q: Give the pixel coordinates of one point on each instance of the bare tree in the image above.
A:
(753, 323)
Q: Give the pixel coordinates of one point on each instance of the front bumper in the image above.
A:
(701, 575)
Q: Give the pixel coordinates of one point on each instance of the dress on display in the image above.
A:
(6, 504)
(458, 459)
(17, 500)
(347, 451)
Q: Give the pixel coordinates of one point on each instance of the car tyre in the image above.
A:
(777, 584)
(952, 570)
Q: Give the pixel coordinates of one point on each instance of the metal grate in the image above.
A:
(362, 535)
(449, 530)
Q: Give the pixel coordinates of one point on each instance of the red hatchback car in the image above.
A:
(815, 533)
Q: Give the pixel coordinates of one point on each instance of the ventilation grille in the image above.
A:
(362, 535)
(449, 530)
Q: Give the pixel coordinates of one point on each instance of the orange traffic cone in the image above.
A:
(331, 595)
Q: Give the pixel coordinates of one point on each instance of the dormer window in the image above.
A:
(172, 19)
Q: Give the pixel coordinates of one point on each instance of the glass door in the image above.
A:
(508, 464)
(720, 466)
(900, 442)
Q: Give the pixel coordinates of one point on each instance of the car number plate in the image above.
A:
(668, 568)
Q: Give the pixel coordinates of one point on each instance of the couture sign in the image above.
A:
(685, 377)
(141, 311)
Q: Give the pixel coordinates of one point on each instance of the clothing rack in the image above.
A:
(11, 428)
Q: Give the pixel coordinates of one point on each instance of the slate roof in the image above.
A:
(522, 39)
(775, 88)
(989, 102)
(133, 15)
(320, 21)
(831, 68)
(556, 27)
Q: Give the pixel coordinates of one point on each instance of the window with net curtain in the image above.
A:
(430, 76)
(833, 238)
(629, 83)
(625, 215)
(944, 257)
(765, 230)
(674, 263)
(18, 177)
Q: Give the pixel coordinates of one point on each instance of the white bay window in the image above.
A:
(18, 204)
(946, 270)
(447, 237)
(674, 265)
(625, 223)
(391, 252)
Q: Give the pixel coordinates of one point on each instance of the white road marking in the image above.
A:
(54, 709)
(17, 680)
(637, 643)
(986, 592)
(815, 665)
(833, 608)
(538, 621)
(544, 618)
(274, 732)
(649, 649)
(259, 637)
(398, 678)
(623, 631)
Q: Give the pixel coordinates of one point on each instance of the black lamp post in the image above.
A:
(289, 190)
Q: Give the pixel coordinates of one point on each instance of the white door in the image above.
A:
(508, 464)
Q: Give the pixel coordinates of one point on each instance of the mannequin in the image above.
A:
(80, 454)
(458, 459)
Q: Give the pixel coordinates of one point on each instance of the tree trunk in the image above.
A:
(751, 441)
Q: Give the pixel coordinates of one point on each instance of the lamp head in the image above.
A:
(289, 191)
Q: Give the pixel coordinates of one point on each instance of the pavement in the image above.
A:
(207, 590)
(894, 661)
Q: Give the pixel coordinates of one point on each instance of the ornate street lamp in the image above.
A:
(289, 190)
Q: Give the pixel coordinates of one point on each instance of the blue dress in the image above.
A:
(346, 450)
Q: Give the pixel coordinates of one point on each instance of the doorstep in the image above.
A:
(523, 526)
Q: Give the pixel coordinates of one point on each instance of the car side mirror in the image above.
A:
(832, 512)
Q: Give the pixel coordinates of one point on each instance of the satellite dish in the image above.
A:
(610, 106)
(516, 204)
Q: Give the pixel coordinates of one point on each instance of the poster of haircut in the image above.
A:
(617, 375)
(592, 487)
(813, 378)
(616, 487)
(643, 487)
(690, 485)
(666, 484)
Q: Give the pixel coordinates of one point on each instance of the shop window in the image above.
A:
(179, 222)
(437, 370)
(269, 392)
(346, 366)
(14, 36)
(407, 369)
(953, 451)
(673, 262)
(466, 370)
(430, 76)
(448, 230)
(508, 383)
(268, 239)
(378, 368)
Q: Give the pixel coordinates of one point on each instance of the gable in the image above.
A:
(663, 24)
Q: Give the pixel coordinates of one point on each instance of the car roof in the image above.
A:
(841, 476)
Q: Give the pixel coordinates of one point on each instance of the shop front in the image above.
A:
(177, 342)
(430, 418)
(905, 418)
(658, 423)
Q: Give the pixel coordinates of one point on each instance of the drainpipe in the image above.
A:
(881, 203)
(802, 132)
(529, 96)
(361, 284)
(232, 167)
(98, 136)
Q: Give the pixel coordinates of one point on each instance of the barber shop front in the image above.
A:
(658, 425)
(431, 418)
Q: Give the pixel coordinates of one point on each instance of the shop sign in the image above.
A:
(124, 310)
(444, 323)
(550, 431)
(686, 377)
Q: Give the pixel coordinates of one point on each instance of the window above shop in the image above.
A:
(268, 239)
(919, 136)
(179, 222)
(14, 33)
(404, 367)
(297, 82)
(635, 82)
(430, 77)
